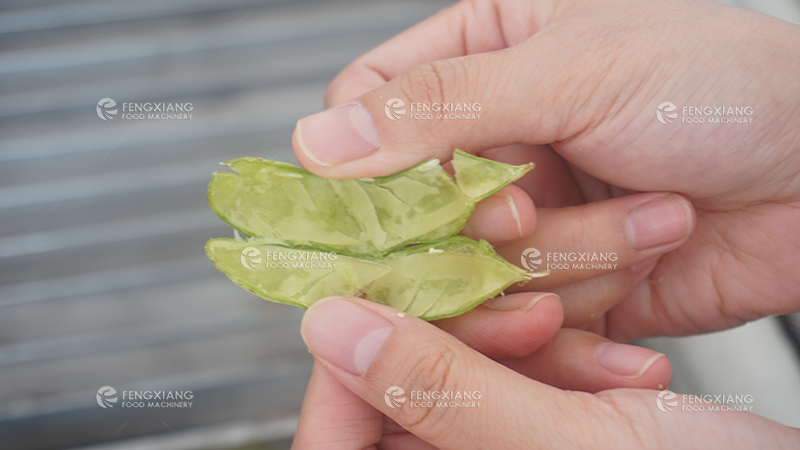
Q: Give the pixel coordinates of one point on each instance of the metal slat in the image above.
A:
(108, 280)
(103, 280)
(238, 114)
(43, 15)
(287, 63)
(132, 308)
(276, 386)
(261, 27)
(118, 364)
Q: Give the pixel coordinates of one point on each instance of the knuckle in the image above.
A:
(430, 82)
(435, 82)
(430, 372)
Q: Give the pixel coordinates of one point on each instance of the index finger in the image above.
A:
(334, 418)
(467, 27)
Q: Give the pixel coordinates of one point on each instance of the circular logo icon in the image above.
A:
(106, 396)
(666, 400)
(664, 112)
(530, 258)
(392, 108)
(104, 110)
(394, 397)
(249, 258)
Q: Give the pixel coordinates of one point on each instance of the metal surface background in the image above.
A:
(103, 279)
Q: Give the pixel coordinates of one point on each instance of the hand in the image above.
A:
(574, 85)
(363, 348)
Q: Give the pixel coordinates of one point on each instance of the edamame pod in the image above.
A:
(366, 217)
(288, 275)
(444, 279)
(431, 281)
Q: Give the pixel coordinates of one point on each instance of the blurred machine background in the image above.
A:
(103, 280)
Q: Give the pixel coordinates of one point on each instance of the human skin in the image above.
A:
(704, 217)
(363, 348)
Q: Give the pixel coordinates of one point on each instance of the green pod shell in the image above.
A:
(444, 279)
(363, 217)
(304, 280)
(431, 281)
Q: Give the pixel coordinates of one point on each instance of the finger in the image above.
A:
(507, 216)
(369, 349)
(510, 326)
(688, 422)
(464, 28)
(333, 417)
(588, 301)
(719, 279)
(439, 37)
(404, 441)
(592, 189)
(583, 242)
(394, 362)
(470, 102)
(551, 184)
(367, 138)
(583, 361)
(516, 325)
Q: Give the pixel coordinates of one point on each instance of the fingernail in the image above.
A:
(629, 361)
(338, 135)
(658, 222)
(512, 208)
(496, 219)
(344, 334)
(517, 302)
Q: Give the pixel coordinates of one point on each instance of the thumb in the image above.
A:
(471, 102)
(420, 377)
(449, 395)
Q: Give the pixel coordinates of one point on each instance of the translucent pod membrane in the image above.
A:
(364, 217)
(431, 281)
(441, 280)
(289, 275)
